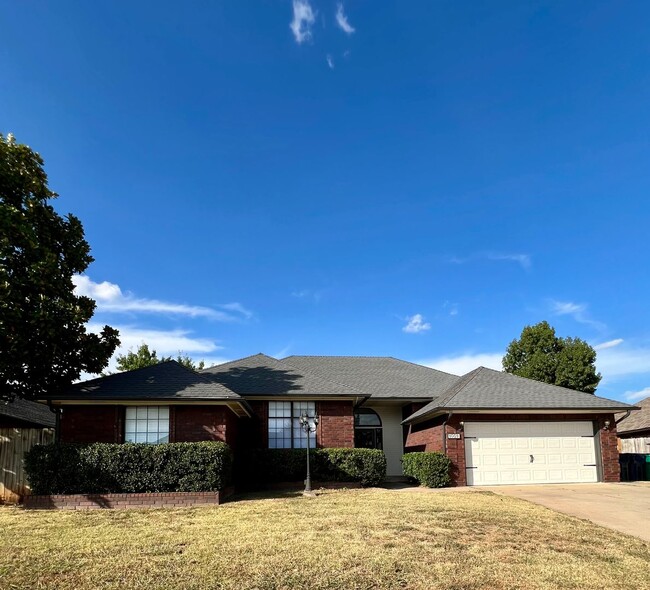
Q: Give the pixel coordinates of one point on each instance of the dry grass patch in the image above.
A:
(354, 539)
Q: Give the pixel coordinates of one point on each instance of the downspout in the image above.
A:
(627, 413)
(57, 421)
(444, 432)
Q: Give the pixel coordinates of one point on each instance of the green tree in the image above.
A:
(44, 345)
(144, 357)
(541, 355)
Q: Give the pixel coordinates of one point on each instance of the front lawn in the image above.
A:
(366, 539)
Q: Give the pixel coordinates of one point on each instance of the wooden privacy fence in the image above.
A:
(14, 443)
(634, 445)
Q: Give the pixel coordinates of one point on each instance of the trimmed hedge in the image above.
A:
(428, 469)
(66, 468)
(263, 466)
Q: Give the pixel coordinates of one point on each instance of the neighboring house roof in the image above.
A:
(263, 375)
(28, 412)
(376, 376)
(636, 421)
(487, 389)
(165, 381)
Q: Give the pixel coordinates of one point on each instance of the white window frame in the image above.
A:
(146, 424)
(284, 430)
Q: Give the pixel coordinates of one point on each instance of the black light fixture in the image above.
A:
(309, 426)
(607, 423)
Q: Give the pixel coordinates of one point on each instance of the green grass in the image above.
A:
(353, 539)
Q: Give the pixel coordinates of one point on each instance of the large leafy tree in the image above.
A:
(541, 355)
(44, 344)
(145, 357)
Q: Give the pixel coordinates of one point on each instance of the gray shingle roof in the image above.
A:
(263, 375)
(487, 389)
(636, 420)
(378, 377)
(164, 381)
(27, 411)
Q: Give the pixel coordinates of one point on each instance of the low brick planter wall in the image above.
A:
(103, 501)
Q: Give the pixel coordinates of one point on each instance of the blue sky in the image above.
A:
(416, 179)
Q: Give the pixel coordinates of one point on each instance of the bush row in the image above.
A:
(428, 469)
(257, 467)
(65, 468)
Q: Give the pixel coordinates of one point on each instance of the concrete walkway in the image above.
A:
(624, 507)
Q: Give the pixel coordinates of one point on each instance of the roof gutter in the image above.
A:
(627, 413)
(444, 431)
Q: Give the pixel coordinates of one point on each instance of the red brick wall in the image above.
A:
(428, 436)
(609, 449)
(199, 423)
(147, 500)
(88, 424)
(336, 425)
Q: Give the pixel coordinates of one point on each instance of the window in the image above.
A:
(284, 425)
(367, 429)
(147, 424)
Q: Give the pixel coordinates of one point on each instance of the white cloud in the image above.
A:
(608, 344)
(451, 308)
(303, 18)
(164, 342)
(524, 260)
(330, 61)
(342, 20)
(578, 311)
(238, 308)
(621, 361)
(521, 259)
(635, 396)
(461, 364)
(110, 298)
(307, 294)
(416, 324)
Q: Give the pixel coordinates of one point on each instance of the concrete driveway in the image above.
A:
(624, 507)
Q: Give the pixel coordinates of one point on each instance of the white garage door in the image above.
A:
(529, 452)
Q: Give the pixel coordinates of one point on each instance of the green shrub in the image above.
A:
(428, 469)
(258, 467)
(63, 468)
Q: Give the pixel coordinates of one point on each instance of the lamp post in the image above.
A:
(309, 426)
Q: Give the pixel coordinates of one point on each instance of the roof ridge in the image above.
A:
(250, 356)
(458, 387)
(319, 376)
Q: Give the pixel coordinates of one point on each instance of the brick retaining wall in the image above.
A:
(148, 500)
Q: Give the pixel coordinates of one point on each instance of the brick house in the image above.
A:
(495, 427)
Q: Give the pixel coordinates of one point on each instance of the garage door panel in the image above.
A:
(500, 452)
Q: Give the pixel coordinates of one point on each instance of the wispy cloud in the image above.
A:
(309, 294)
(608, 344)
(416, 324)
(111, 298)
(282, 352)
(303, 19)
(342, 20)
(635, 396)
(330, 61)
(450, 308)
(578, 311)
(463, 363)
(524, 260)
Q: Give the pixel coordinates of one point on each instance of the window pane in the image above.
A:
(147, 424)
